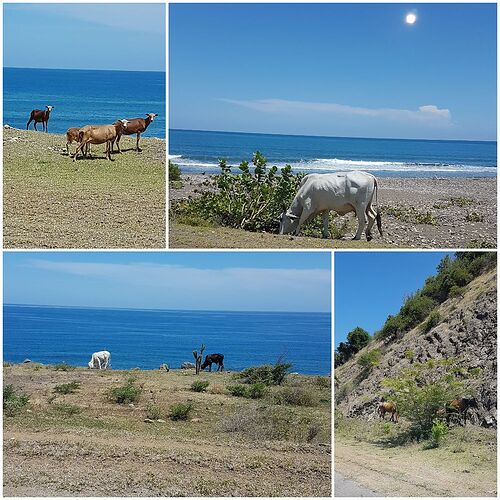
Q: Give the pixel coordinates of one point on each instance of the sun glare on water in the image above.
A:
(411, 18)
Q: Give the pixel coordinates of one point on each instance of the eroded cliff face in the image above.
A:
(467, 331)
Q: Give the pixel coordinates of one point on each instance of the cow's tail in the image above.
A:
(379, 218)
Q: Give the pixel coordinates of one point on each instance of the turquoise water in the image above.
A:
(146, 338)
(82, 97)
(199, 151)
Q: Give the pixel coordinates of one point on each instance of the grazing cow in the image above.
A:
(459, 407)
(342, 192)
(213, 358)
(99, 134)
(388, 407)
(135, 126)
(72, 136)
(100, 360)
(40, 116)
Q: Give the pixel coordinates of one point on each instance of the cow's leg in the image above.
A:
(325, 216)
(28, 124)
(137, 144)
(307, 212)
(80, 147)
(371, 216)
(34, 124)
(361, 213)
(210, 367)
(118, 144)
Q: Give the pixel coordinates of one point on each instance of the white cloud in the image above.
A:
(428, 114)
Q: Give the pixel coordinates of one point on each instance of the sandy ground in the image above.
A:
(412, 471)
(108, 449)
(461, 211)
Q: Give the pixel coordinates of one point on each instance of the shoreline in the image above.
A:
(461, 211)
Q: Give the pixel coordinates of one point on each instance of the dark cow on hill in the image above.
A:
(459, 407)
(40, 116)
(213, 358)
(388, 407)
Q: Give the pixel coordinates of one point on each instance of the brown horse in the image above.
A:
(388, 407)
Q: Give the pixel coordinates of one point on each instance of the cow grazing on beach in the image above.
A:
(388, 407)
(135, 126)
(40, 116)
(213, 358)
(342, 192)
(100, 360)
(99, 134)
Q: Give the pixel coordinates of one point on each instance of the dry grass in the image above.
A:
(52, 202)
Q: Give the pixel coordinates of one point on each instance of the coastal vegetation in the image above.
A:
(177, 440)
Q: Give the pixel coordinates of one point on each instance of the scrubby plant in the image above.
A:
(266, 374)
(64, 367)
(256, 391)
(174, 172)
(438, 432)
(200, 385)
(370, 359)
(69, 388)
(432, 320)
(67, 410)
(323, 382)
(13, 403)
(237, 390)
(180, 411)
(153, 412)
(295, 396)
(128, 393)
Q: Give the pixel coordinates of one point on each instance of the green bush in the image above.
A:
(174, 172)
(370, 359)
(256, 391)
(69, 388)
(180, 411)
(438, 432)
(323, 382)
(66, 410)
(13, 403)
(266, 374)
(128, 393)
(432, 320)
(153, 412)
(237, 390)
(295, 396)
(200, 385)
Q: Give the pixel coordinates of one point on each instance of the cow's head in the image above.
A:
(151, 116)
(288, 222)
(49, 108)
(122, 123)
(91, 364)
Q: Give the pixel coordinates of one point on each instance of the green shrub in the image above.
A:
(266, 374)
(323, 382)
(66, 410)
(296, 396)
(370, 359)
(474, 217)
(256, 391)
(237, 390)
(13, 403)
(180, 411)
(438, 432)
(63, 367)
(128, 393)
(409, 354)
(69, 388)
(432, 320)
(200, 385)
(153, 411)
(174, 172)
(456, 291)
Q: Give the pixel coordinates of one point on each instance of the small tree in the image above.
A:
(198, 358)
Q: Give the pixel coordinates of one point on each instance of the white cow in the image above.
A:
(100, 360)
(342, 192)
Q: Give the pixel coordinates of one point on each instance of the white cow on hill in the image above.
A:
(100, 360)
(342, 192)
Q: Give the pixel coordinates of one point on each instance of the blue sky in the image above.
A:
(85, 36)
(242, 281)
(371, 285)
(356, 70)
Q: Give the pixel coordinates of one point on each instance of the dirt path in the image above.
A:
(408, 471)
(346, 488)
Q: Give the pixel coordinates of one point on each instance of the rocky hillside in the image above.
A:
(467, 330)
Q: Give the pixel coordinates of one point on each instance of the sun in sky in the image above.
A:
(411, 18)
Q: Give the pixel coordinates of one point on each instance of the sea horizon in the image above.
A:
(87, 69)
(149, 338)
(198, 151)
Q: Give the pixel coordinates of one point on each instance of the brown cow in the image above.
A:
(388, 407)
(135, 126)
(460, 407)
(40, 116)
(99, 134)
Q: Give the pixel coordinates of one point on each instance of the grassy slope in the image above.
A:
(108, 449)
(184, 236)
(51, 202)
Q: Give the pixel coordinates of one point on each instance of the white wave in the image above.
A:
(174, 157)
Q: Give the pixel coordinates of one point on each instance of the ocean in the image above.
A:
(199, 151)
(147, 338)
(82, 97)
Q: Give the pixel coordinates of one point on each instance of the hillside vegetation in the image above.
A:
(156, 433)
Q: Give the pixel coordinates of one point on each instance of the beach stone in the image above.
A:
(161, 420)
(27, 361)
(7, 126)
(149, 421)
(165, 367)
(186, 365)
(196, 420)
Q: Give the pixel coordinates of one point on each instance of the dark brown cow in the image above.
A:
(136, 126)
(460, 407)
(388, 407)
(213, 358)
(40, 116)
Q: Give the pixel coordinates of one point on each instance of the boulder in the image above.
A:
(186, 365)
